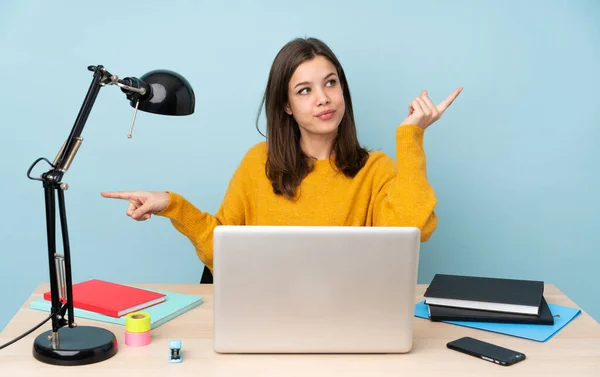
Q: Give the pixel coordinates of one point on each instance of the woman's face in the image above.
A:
(316, 99)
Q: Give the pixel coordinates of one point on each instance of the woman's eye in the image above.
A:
(304, 91)
(331, 83)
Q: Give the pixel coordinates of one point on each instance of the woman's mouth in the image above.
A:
(325, 115)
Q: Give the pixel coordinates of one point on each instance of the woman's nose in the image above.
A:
(322, 98)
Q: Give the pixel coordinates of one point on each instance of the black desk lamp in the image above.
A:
(160, 92)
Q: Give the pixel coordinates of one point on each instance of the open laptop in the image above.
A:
(314, 289)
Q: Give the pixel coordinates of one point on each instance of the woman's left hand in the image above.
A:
(422, 112)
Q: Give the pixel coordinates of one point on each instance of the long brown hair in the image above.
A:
(287, 164)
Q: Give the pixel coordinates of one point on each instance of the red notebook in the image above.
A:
(111, 299)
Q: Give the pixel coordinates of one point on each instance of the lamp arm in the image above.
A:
(61, 286)
(66, 154)
(59, 265)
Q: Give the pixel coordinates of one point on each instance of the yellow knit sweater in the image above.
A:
(383, 193)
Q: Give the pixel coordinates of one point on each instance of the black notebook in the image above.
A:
(447, 313)
(484, 293)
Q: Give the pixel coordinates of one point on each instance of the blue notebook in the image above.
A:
(175, 305)
(541, 333)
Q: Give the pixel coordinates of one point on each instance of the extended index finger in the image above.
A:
(119, 195)
(448, 101)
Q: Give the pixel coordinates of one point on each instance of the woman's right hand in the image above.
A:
(142, 204)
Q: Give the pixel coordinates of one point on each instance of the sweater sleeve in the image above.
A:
(198, 226)
(406, 198)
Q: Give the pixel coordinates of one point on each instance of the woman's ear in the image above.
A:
(287, 109)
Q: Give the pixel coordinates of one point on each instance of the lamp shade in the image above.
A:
(169, 93)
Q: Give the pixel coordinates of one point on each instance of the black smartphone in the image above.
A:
(486, 351)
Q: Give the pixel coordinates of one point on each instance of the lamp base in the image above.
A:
(79, 345)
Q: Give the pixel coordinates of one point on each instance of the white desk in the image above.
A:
(574, 351)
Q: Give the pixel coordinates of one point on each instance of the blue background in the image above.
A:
(514, 161)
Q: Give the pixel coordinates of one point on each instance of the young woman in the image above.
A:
(312, 170)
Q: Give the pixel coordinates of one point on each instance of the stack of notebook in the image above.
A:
(484, 299)
(105, 301)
